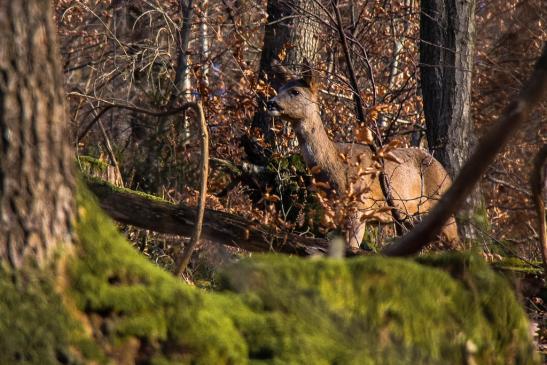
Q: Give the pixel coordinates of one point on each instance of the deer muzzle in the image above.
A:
(274, 109)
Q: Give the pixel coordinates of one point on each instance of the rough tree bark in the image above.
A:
(447, 31)
(289, 26)
(36, 176)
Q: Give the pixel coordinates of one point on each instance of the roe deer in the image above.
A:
(417, 180)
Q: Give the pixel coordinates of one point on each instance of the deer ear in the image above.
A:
(309, 75)
(281, 72)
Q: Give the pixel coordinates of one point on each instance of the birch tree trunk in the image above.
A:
(182, 81)
(204, 42)
(36, 176)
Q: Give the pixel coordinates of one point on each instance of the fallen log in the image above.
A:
(148, 212)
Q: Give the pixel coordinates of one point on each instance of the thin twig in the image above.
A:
(351, 72)
(182, 260)
(538, 181)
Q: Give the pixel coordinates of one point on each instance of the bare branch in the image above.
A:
(538, 182)
(183, 260)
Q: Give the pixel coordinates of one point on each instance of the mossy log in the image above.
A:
(105, 303)
(99, 169)
(149, 212)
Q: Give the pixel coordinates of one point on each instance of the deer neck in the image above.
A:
(318, 150)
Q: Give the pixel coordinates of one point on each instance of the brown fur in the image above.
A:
(417, 180)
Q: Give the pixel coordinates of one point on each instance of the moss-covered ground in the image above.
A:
(91, 165)
(106, 303)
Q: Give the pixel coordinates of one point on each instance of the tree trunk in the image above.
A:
(291, 27)
(446, 60)
(204, 43)
(36, 176)
(182, 85)
(182, 88)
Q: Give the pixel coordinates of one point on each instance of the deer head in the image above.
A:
(296, 99)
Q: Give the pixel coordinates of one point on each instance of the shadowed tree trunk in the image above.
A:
(447, 31)
(291, 27)
(36, 176)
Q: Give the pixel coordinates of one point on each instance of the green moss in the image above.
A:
(97, 182)
(35, 327)
(89, 165)
(480, 217)
(516, 265)
(389, 311)
(279, 309)
(477, 218)
(136, 299)
(269, 309)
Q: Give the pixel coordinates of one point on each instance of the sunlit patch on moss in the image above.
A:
(389, 310)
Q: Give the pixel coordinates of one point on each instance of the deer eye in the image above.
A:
(294, 92)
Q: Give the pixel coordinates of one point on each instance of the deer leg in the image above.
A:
(355, 231)
(450, 233)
